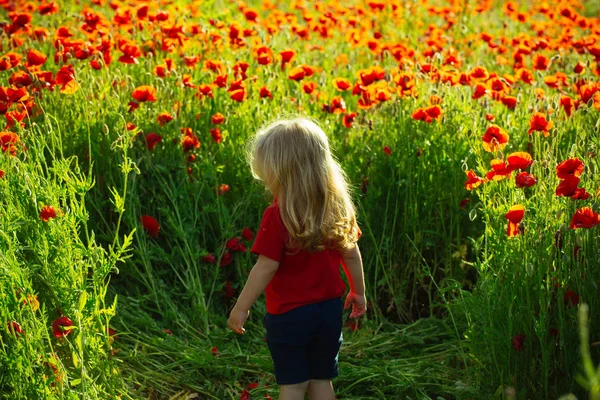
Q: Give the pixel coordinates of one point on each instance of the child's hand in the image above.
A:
(358, 302)
(236, 320)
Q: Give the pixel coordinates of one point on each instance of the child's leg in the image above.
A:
(320, 389)
(293, 392)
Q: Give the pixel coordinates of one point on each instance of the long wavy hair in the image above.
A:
(292, 158)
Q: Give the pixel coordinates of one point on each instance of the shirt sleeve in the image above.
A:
(269, 239)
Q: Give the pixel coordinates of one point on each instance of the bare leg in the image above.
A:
(293, 392)
(320, 389)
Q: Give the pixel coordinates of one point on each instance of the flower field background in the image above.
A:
(468, 129)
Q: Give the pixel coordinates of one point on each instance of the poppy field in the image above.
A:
(469, 131)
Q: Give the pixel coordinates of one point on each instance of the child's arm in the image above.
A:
(352, 264)
(259, 277)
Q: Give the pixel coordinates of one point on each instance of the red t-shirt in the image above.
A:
(302, 277)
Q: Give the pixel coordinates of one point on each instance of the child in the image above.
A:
(304, 236)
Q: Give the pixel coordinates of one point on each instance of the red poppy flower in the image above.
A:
(342, 84)
(580, 194)
(144, 93)
(519, 160)
(309, 87)
(584, 218)
(567, 186)
(518, 342)
(247, 234)
(164, 118)
(222, 188)
(539, 123)
(208, 258)
(205, 90)
(226, 259)
(387, 150)
(571, 298)
(514, 216)
(479, 91)
(464, 202)
(47, 213)
(235, 244)
(151, 225)
(264, 92)
(297, 74)
(59, 324)
(287, 56)
(569, 168)
(216, 135)
(35, 58)
(579, 68)
(473, 180)
(229, 290)
(167, 331)
(217, 119)
(245, 395)
(540, 62)
(65, 77)
(567, 103)
(14, 328)
(189, 141)
(1, 174)
(348, 119)
(499, 170)
(525, 180)
(494, 139)
(509, 101)
(239, 95)
(152, 139)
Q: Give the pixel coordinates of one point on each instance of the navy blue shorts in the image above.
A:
(305, 341)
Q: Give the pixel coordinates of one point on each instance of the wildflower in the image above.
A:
(519, 160)
(247, 234)
(387, 150)
(514, 216)
(229, 290)
(473, 181)
(494, 139)
(216, 135)
(539, 123)
(235, 244)
(189, 141)
(144, 93)
(58, 326)
(342, 84)
(47, 213)
(14, 328)
(572, 167)
(164, 118)
(223, 188)
(151, 225)
(348, 119)
(226, 259)
(525, 180)
(571, 298)
(264, 92)
(214, 351)
(509, 101)
(499, 170)
(519, 342)
(152, 139)
(584, 218)
(464, 202)
(208, 258)
(217, 119)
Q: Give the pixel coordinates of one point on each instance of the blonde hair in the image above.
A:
(292, 158)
